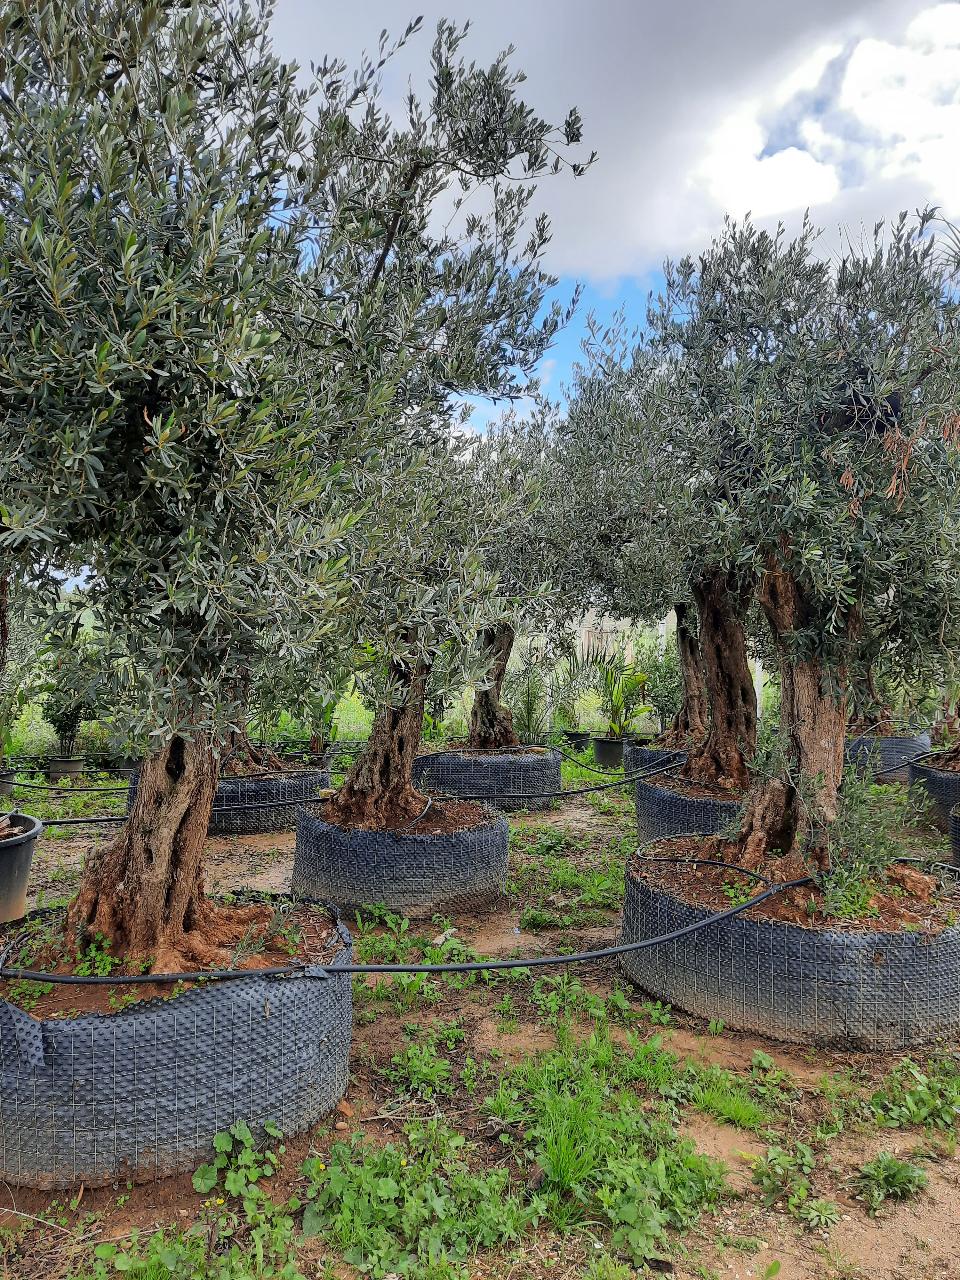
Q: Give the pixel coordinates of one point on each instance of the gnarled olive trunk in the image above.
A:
(722, 757)
(144, 891)
(781, 818)
(689, 725)
(378, 792)
(491, 723)
(242, 757)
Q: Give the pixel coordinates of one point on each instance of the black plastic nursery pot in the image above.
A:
(418, 875)
(661, 811)
(888, 759)
(140, 1094)
(254, 805)
(608, 752)
(61, 767)
(7, 777)
(528, 778)
(578, 739)
(16, 855)
(880, 991)
(941, 785)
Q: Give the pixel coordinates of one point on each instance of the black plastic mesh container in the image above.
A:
(254, 805)
(416, 874)
(138, 1095)
(942, 786)
(509, 780)
(637, 757)
(663, 812)
(876, 991)
(955, 833)
(887, 758)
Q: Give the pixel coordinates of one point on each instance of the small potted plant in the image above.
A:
(70, 701)
(621, 687)
(18, 836)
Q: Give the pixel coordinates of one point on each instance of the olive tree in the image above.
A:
(425, 591)
(538, 580)
(855, 492)
(790, 421)
(638, 526)
(159, 175)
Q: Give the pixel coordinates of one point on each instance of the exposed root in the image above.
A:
(363, 809)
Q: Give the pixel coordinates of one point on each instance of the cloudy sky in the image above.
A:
(698, 108)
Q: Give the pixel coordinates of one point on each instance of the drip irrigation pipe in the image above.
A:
(464, 966)
(106, 791)
(280, 804)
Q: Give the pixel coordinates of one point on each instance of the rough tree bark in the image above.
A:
(378, 792)
(243, 758)
(144, 891)
(689, 725)
(721, 758)
(814, 715)
(491, 723)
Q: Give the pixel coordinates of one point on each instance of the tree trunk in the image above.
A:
(144, 891)
(243, 758)
(689, 725)
(491, 723)
(780, 819)
(721, 758)
(378, 792)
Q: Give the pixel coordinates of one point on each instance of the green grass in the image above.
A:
(563, 880)
(71, 799)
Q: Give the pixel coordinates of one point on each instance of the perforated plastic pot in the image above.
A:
(888, 759)
(251, 806)
(16, 855)
(664, 812)
(608, 752)
(941, 785)
(859, 990)
(141, 1094)
(416, 874)
(508, 780)
(955, 833)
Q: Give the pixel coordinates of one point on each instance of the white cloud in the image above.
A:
(851, 107)
(739, 179)
(863, 131)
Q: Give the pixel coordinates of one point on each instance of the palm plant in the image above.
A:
(621, 686)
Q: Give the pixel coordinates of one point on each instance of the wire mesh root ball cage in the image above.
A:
(401, 870)
(661, 812)
(508, 780)
(878, 991)
(886, 759)
(140, 1094)
(941, 785)
(255, 805)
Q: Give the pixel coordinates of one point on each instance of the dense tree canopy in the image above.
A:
(224, 312)
(790, 425)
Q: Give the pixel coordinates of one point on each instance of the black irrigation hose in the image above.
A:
(74, 791)
(464, 966)
(105, 791)
(636, 776)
